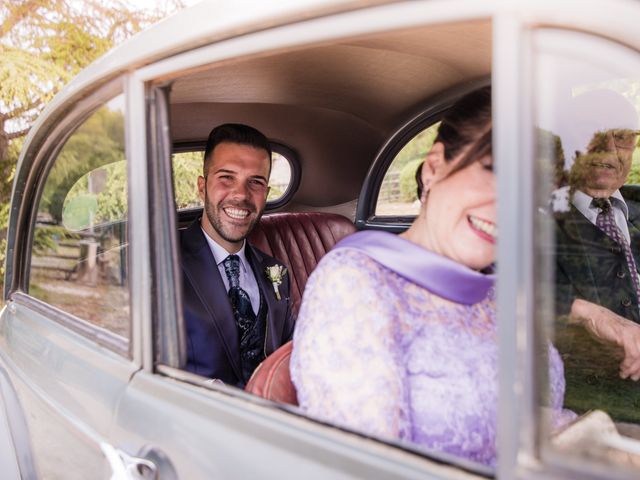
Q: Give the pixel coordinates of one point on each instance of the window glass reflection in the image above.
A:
(79, 254)
(587, 118)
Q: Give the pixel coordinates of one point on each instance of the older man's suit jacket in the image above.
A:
(212, 336)
(591, 266)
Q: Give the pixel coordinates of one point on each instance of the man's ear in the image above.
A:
(433, 166)
(202, 187)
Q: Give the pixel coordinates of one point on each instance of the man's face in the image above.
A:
(234, 192)
(605, 166)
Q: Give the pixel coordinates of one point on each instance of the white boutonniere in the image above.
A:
(275, 274)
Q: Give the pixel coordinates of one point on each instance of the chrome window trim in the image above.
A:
(140, 280)
(513, 285)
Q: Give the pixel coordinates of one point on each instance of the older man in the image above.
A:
(236, 298)
(597, 260)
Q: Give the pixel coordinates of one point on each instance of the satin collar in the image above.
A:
(440, 275)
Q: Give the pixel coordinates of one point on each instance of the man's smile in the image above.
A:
(236, 213)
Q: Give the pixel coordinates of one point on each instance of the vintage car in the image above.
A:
(350, 93)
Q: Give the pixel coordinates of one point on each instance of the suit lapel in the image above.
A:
(203, 274)
(276, 309)
(582, 231)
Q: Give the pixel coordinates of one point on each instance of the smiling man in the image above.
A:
(236, 298)
(598, 238)
(597, 258)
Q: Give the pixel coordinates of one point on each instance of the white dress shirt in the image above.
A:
(582, 202)
(248, 280)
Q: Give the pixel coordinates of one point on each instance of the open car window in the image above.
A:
(398, 194)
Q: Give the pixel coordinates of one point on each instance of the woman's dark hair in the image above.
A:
(465, 127)
(235, 133)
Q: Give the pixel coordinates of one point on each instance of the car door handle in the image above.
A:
(128, 467)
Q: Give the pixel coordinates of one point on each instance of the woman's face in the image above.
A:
(460, 210)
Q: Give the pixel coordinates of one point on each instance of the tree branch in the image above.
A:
(17, 14)
(20, 110)
(18, 134)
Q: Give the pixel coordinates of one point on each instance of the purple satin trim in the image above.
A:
(438, 274)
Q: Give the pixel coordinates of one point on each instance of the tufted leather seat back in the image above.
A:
(299, 240)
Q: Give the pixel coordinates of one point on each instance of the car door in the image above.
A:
(66, 328)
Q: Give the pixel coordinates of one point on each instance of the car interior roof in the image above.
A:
(334, 104)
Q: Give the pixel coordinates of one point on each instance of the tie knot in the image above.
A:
(232, 269)
(603, 204)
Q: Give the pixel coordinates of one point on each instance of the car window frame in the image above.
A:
(42, 154)
(366, 218)
(166, 328)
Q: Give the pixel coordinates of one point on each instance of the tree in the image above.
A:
(43, 44)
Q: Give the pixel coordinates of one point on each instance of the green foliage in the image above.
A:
(98, 141)
(399, 183)
(47, 237)
(187, 166)
(634, 174)
(415, 149)
(408, 183)
(42, 45)
(275, 192)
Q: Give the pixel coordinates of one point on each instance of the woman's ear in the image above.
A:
(433, 166)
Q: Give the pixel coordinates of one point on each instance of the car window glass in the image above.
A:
(398, 191)
(79, 253)
(187, 166)
(588, 237)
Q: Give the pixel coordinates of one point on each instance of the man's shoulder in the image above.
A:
(191, 239)
(631, 193)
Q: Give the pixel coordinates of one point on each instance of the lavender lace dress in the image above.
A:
(395, 353)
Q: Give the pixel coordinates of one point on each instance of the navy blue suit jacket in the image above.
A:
(212, 336)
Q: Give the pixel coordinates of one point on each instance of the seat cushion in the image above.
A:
(299, 240)
(271, 380)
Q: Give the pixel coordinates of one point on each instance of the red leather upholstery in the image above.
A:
(299, 240)
(271, 380)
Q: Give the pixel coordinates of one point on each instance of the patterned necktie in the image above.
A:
(240, 301)
(606, 221)
(251, 329)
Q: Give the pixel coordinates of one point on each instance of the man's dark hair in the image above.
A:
(234, 133)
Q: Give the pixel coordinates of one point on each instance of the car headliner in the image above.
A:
(334, 104)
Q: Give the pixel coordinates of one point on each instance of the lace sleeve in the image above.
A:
(345, 361)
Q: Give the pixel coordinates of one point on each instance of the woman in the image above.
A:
(396, 335)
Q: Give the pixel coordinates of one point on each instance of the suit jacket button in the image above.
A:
(621, 274)
(626, 302)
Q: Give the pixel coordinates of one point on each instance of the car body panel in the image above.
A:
(68, 389)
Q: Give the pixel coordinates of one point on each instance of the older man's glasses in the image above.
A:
(625, 138)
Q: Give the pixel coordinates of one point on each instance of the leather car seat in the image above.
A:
(299, 240)
(271, 380)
